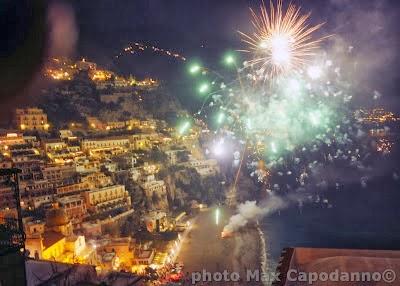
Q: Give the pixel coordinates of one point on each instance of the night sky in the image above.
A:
(206, 29)
(201, 29)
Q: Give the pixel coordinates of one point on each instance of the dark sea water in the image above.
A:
(360, 218)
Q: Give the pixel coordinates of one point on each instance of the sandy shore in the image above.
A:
(204, 250)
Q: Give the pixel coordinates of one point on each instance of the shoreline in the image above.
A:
(205, 250)
(250, 253)
(264, 265)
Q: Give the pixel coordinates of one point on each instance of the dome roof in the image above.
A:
(56, 217)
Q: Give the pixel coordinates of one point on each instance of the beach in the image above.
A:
(205, 250)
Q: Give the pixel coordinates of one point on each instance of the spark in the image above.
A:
(204, 87)
(219, 147)
(217, 216)
(221, 117)
(185, 126)
(282, 40)
(230, 59)
(294, 85)
(314, 72)
(315, 118)
(194, 69)
(273, 147)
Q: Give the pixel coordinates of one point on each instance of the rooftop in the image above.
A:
(327, 260)
(51, 237)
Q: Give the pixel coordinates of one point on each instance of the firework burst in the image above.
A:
(282, 40)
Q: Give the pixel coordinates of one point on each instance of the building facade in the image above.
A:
(31, 119)
(89, 144)
(106, 198)
(74, 206)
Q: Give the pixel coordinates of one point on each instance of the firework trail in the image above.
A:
(289, 135)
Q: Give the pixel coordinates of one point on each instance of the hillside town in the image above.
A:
(118, 195)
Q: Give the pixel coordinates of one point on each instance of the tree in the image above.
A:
(182, 156)
(177, 203)
(157, 155)
(112, 229)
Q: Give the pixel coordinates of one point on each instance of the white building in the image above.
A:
(173, 155)
(107, 198)
(204, 167)
(58, 172)
(96, 143)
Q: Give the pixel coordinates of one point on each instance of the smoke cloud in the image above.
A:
(361, 29)
(250, 211)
